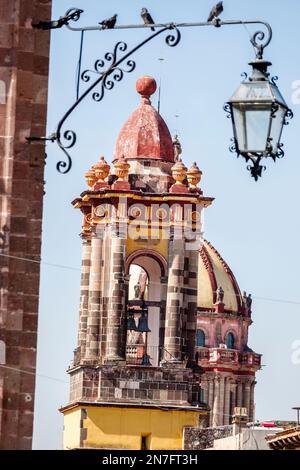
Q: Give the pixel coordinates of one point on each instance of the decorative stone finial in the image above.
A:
(146, 86)
(90, 177)
(194, 175)
(179, 171)
(177, 148)
(121, 170)
(101, 170)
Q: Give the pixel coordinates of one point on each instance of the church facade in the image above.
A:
(163, 327)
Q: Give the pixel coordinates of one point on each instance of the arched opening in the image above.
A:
(229, 340)
(144, 307)
(200, 339)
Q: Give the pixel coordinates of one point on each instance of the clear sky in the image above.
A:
(255, 226)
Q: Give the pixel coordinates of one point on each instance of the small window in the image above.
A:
(145, 442)
(200, 338)
(229, 340)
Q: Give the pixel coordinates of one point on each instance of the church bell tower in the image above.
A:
(134, 380)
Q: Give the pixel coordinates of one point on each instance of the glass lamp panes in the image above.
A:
(258, 112)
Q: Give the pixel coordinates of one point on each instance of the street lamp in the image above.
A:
(258, 112)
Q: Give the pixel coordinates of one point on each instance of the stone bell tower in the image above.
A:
(134, 380)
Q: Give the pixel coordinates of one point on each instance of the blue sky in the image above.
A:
(255, 226)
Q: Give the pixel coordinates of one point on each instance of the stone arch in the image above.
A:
(155, 266)
(147, 253)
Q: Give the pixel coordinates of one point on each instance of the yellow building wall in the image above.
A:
(122, 428)
(71, 436)
(150, 241)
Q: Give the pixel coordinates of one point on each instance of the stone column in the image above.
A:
(174, 307)
(211, 398)
(24, 53)
(239, 394)
(222, 400)
(84, 297)
(162, 319)
(93, 320)
(233, 389)
(252, 405)
(227, 411)
(216, 403)
(191, 292)
(105, 282)
(116, 315)
(204, 386)
(247, 396)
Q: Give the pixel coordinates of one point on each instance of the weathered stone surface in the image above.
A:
(203, 438)
(24, 78)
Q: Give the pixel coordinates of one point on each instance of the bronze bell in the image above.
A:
(131, 325)
(143, 323)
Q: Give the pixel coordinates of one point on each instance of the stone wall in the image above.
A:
(23, 109)
(126, 383)
(200, 439)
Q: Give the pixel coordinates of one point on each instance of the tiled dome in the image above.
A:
(214, 272)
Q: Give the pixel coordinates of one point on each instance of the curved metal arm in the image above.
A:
(114, 73)
(259, 39)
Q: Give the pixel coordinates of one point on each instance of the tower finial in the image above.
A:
(146, 86)
(194, 175)
(121, 170)
(101, 169)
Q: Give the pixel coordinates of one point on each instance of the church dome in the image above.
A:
(214, 272)
(145, 134)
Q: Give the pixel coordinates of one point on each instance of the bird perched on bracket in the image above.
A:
(147, 17)
(109, 23)
(215, 12)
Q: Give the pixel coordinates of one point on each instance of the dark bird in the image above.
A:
(215, 12)
(72, 14)
(109, 23)
(147, 17)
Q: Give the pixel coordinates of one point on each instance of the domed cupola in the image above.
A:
(213, 273)
(145, 142)
(145, 133)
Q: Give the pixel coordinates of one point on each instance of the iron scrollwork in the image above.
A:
(260, 40)
(288, 116)
(107, 79)
(227, 109)
(256, 168)
(233, 147)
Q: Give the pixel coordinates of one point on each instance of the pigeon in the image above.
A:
(147, 17)
(215, 12)
(109, 23)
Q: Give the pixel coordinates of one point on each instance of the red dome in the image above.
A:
(145, 134)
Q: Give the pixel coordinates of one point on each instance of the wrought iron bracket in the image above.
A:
(108, 70)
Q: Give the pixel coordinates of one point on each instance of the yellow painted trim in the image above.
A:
(193, 200)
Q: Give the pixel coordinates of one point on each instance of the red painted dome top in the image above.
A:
(145, 134)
